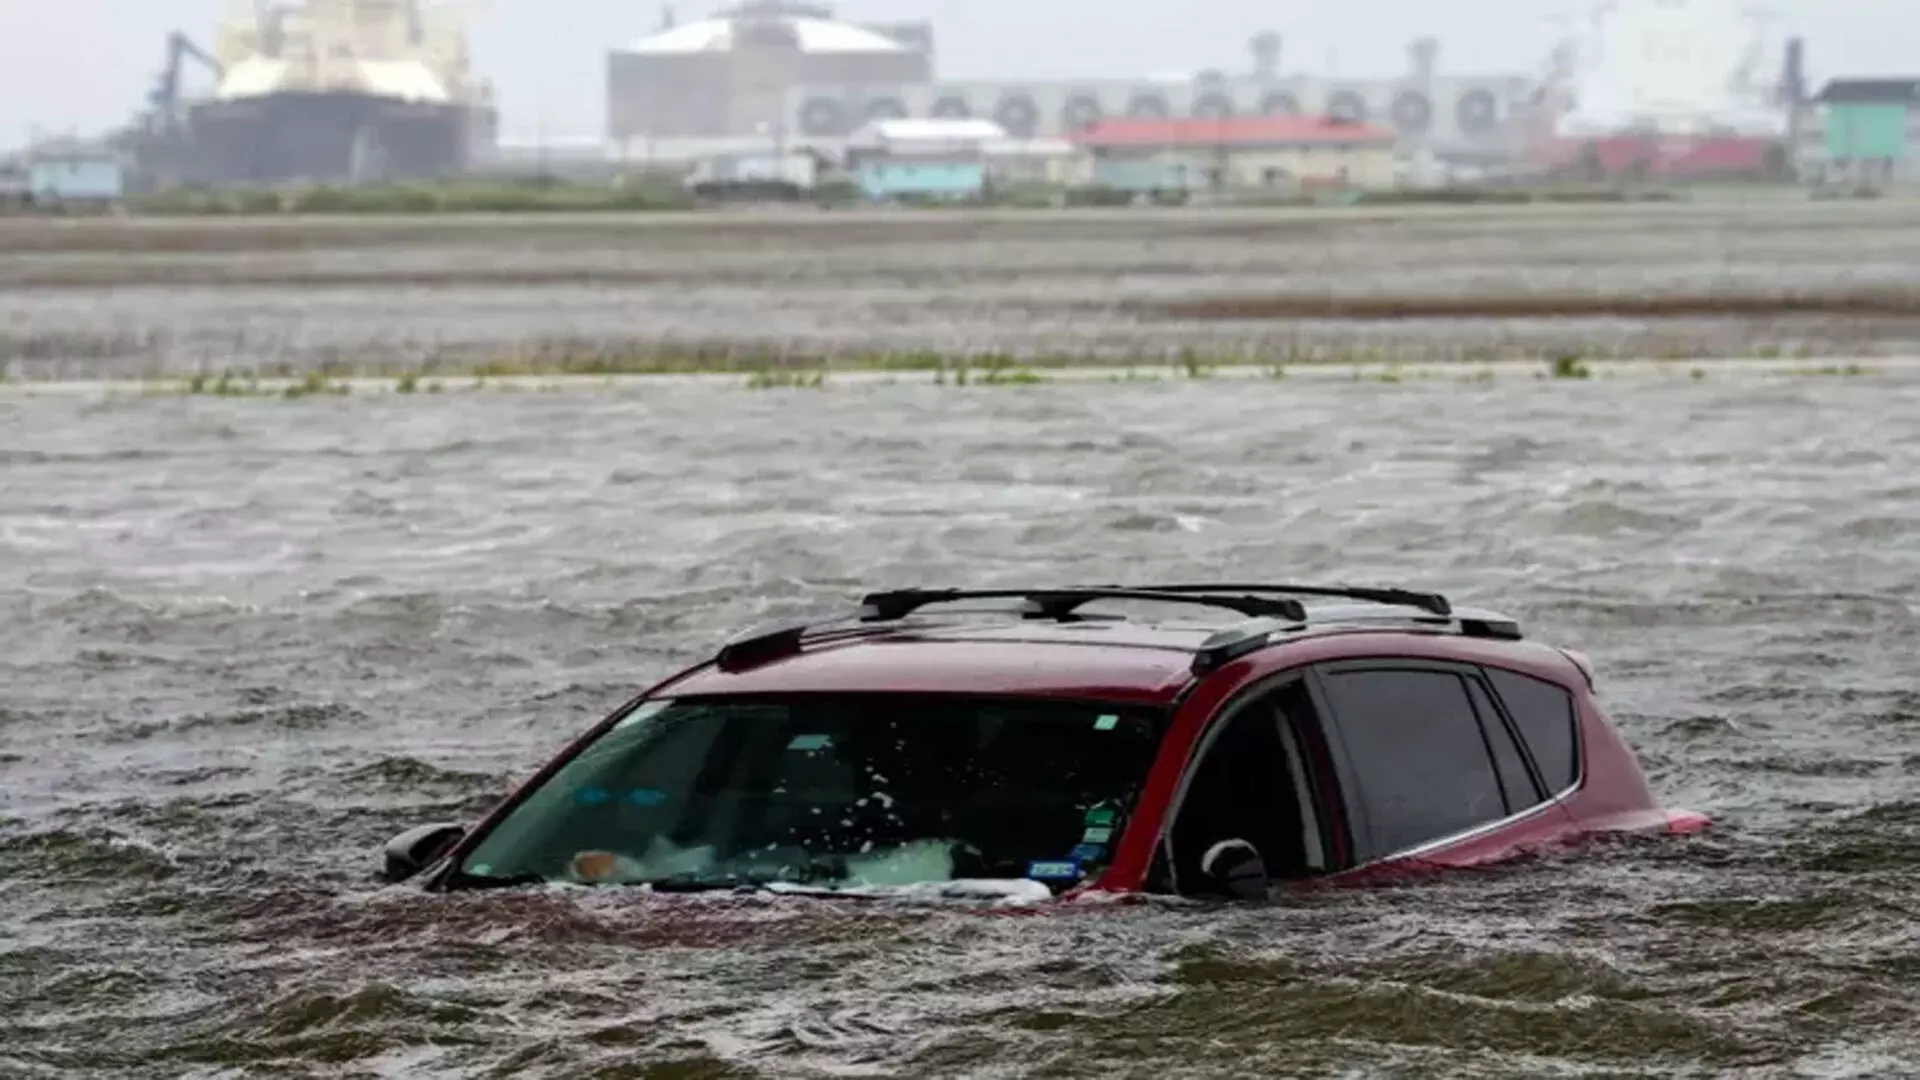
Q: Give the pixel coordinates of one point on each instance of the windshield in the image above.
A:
(832, 791)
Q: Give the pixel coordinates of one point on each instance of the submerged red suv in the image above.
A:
(1032, 743)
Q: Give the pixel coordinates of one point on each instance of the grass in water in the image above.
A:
(1570, 366)
(786, 379)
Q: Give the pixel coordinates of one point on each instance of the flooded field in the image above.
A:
(88, 298)
(242, 641)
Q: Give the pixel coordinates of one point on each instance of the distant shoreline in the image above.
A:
(484, 198)
(959, 375)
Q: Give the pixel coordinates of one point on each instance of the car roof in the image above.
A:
(1106, 661)
(1091, 657)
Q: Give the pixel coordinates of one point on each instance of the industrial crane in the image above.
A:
(165, 97)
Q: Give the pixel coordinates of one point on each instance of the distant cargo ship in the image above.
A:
(1673, 89)
(325, 91)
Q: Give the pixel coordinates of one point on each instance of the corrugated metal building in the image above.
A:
(1480, 116)
(1240, 153)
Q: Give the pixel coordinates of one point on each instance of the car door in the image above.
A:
(1260, 773)
(1428, 765)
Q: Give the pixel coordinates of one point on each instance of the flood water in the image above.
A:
(244, 641)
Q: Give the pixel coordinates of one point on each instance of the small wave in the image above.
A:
(1604, 518)
(412, 773)
(284, 719)
(95, 854)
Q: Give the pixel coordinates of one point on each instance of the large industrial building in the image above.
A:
(793, 72)
(321, 91)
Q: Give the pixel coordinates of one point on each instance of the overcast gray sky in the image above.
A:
(86, 64)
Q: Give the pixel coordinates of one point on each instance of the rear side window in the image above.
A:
(1521, 792)
(1420, 764)
(1544, 714)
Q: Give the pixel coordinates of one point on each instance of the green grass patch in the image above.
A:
(1569, 366)
(1834, 370)
(648, 192)
(787, 379)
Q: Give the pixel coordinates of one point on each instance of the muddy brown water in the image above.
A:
(81, 299)
(244, 641)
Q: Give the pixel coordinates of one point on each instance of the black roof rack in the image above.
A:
(1270, 610)
(1432, 603)
(775, 639)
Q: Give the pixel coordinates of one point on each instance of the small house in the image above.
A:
(1243, 153)
(1873, 129)
(938, 159)
(72, 172)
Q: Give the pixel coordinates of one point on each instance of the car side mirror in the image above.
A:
(416, 849)
(1237, 868)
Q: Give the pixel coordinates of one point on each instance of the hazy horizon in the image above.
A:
(86, 65)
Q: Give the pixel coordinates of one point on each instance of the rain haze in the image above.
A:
(84, 66)
(378, 425)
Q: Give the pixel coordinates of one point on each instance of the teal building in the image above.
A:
(1873, 129)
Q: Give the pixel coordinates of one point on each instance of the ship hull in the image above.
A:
(1666, 157)
(331, 138)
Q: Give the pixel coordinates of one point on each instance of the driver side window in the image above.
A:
(1257, 781)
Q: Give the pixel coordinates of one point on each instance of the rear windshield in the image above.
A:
(832, 791)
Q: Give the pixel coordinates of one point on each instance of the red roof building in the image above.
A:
(1264, 153)
(1233, 133)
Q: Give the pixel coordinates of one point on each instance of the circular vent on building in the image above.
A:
(1477, 112)
(1347, 105)
(1412, 112)
(952, 107)
(886, 108)
(1280, 103)
(823, 117)
(1213, 106)
(1081, 112)
(1148, 107)
(1018, 114)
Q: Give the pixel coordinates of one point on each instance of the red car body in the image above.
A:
(1127, 662)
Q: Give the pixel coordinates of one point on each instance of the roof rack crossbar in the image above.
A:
(1433, 603)
(1060, 604)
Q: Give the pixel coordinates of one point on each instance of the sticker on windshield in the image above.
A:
(1100, 815)
(810, 742)
(591, 796)
(1053, 870)
(1099, 834)
(1087, 853)
(641, 796)
(1106, 723)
